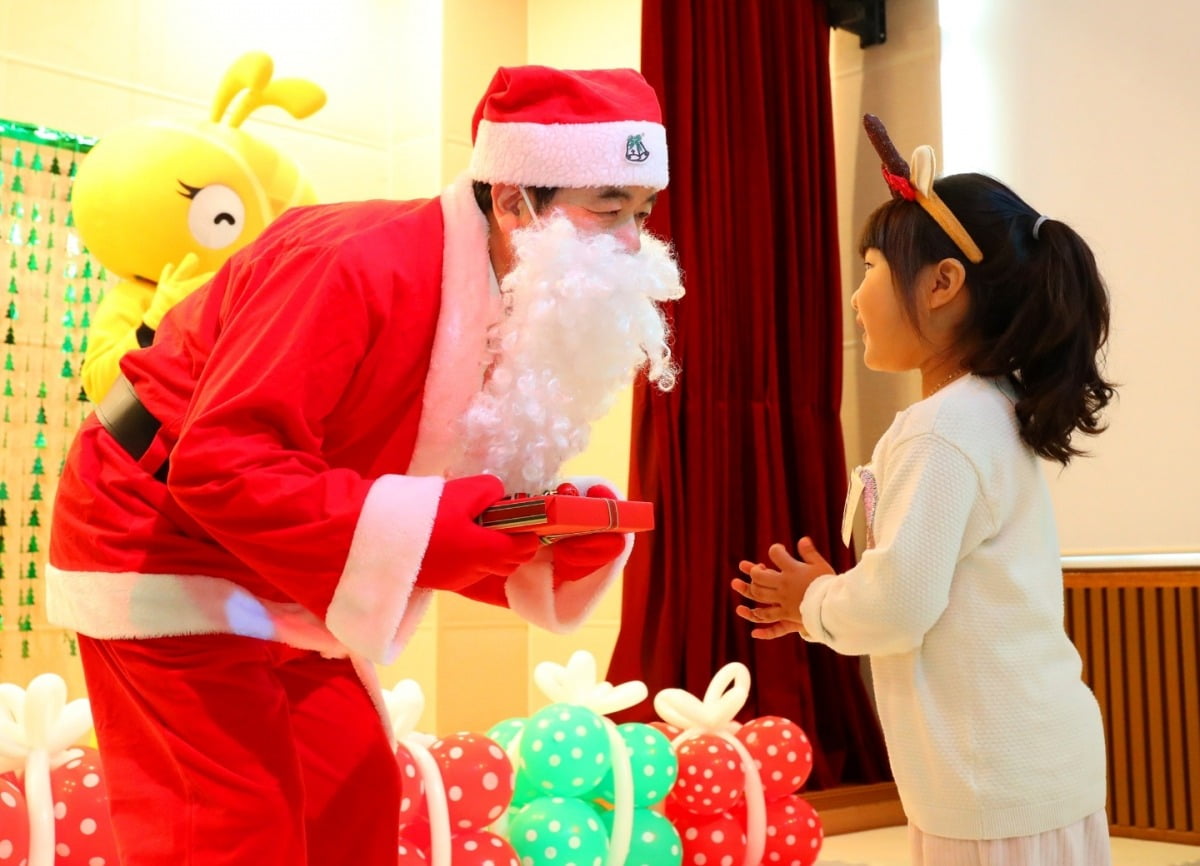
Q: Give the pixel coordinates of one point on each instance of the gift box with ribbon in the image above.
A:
(452, 789)
(556, 515)
(53, 796)
(588, 791)
(734, 801)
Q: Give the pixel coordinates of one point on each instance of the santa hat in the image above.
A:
(545, 127)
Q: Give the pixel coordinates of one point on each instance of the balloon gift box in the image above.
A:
(452, 790)
(569, 787)
(735, 800)
(588, 792)
(53, 798)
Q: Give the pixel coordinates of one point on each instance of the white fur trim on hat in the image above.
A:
(573, 155)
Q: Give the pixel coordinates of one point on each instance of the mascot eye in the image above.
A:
(215, 216)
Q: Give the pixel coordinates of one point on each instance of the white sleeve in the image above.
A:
(929, 493)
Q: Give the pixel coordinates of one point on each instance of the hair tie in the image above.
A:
(1038, 225)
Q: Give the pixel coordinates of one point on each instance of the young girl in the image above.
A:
(995, 742)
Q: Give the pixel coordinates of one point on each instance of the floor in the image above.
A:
(888, 847)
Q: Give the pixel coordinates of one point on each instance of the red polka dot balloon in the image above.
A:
(480, 848)
(667, 730)
(794, 833)
(412, 789)
(710, 775)
(478, 778)
(710, 840)
(14, 824)
(82, 830)
(409, 854)
(417, 835)
(781, 751)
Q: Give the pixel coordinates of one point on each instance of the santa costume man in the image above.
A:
(266, 500)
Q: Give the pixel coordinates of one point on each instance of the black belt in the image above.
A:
(122, 414)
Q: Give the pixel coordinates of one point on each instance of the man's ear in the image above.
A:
(948, 277)
(508, 206)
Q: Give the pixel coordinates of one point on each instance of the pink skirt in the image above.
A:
(1084, 843)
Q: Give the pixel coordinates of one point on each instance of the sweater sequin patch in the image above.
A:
(870, 498)
(864, 488)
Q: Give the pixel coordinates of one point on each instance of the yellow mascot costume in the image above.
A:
(163, 203)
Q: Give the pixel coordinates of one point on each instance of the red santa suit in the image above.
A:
(308, 402)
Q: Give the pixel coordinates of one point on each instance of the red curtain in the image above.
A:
(747, 450)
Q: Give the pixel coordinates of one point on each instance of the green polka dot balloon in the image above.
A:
(524, 788)
(503, 733)
(654, 841)
(553, 831)
(651, 762)
(565, 750)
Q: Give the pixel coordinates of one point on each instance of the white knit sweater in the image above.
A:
(990, 731)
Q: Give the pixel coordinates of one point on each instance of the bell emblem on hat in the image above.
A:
(635, 151)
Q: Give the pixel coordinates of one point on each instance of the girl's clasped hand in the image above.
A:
(778, 592)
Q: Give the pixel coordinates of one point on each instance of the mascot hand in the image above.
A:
(175, 283)
(460, 551)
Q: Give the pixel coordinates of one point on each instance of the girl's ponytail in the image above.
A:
(1053, 343)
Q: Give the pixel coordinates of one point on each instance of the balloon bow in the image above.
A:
(576, 684)
(405, 704)
(723, 700)
(37, 729)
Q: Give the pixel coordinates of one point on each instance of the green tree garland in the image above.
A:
(51, 287)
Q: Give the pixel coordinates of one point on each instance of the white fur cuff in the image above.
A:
(531, 594)
(372, 612)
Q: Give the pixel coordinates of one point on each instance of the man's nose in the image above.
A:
(629, 236)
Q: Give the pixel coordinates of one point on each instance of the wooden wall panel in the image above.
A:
(1138, 635)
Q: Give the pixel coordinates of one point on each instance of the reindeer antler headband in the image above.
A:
(917, 184)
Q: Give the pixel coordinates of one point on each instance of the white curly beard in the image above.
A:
(585, 319)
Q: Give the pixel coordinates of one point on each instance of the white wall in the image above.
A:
(898, 81)
(585, 34)
(1090, 111)
(88, 66)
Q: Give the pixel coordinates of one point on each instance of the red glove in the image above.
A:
(490, 590)
(578, 556)
(460, 551)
